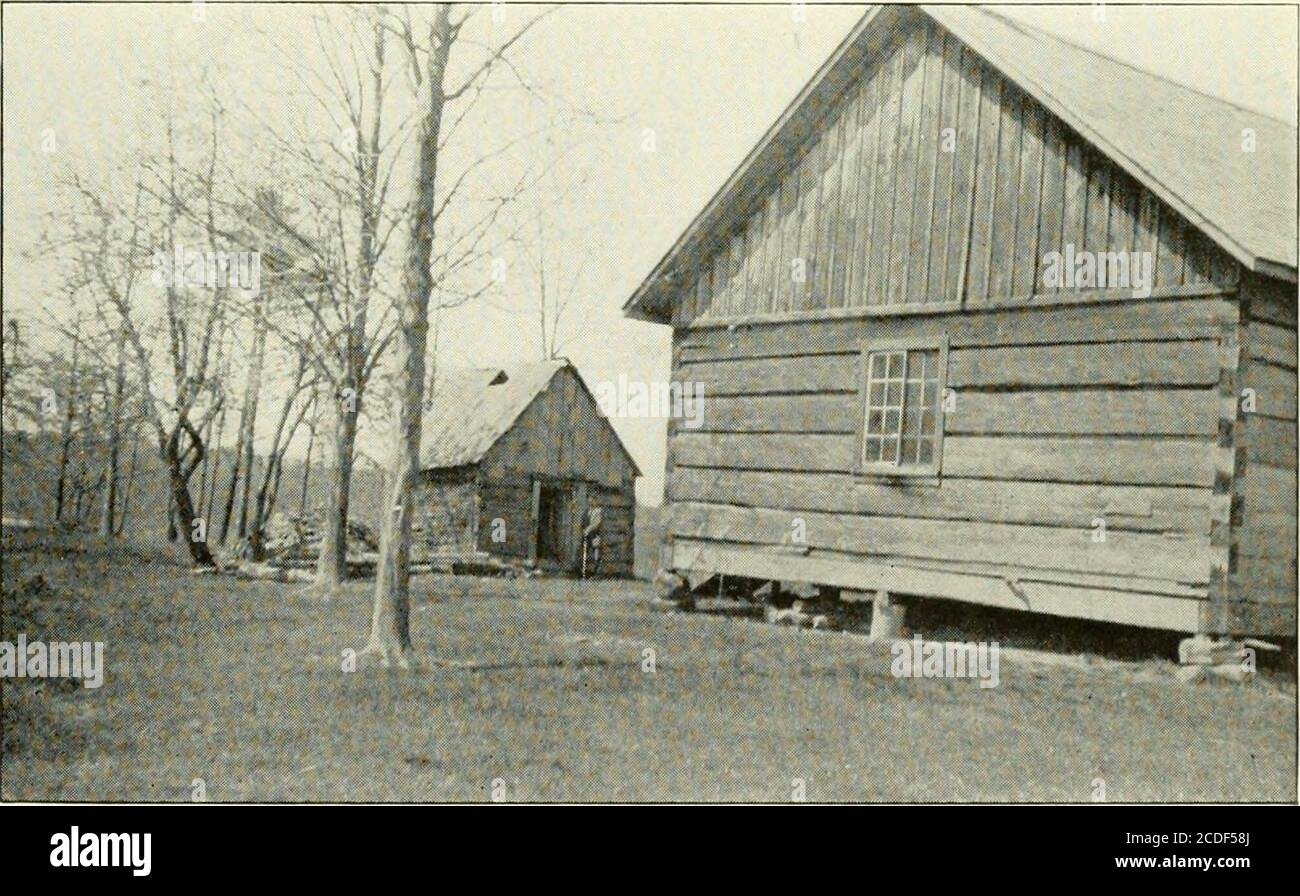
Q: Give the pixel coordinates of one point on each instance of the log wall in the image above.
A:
(1263, 560)
(1079, 454)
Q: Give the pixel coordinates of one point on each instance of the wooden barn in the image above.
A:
(903, 393)
(512, 460)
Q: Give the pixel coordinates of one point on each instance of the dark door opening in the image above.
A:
(552, 522)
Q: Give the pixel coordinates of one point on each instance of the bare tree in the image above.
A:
(298, 387)
(111, 246)
(556, 278)
(114, 408)
(313, 424)
(340, 236)
(69, 415)
(243, 454)
(425, 270)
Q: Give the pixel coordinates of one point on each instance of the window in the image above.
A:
(902, 427)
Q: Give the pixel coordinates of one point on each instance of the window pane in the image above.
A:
(916, 365)
(901, 412)
(896, 364)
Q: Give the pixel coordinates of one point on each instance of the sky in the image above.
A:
(705, 81)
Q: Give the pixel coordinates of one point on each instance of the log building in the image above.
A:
(511, 461)
(990, 317)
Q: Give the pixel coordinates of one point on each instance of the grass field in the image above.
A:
(540, 686)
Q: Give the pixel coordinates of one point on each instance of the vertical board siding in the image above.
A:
(806, 246)
(927, 140)
(845, 223)
(886, 142)
(945, 156)
(1051, 204)
(561, 434)
(964, 170)
(1002, 244)
(828, 210)
(875, 212)
(1026, 253)
(908, 153)
(859, 254)
(986, 169)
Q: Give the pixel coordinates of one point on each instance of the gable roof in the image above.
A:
(1187, 149)
(472, 408)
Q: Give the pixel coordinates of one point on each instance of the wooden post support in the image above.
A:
(886, 618)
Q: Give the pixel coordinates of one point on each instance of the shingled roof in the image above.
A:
(1182, 144)
(470, 409)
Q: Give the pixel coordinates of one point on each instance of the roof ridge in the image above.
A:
(1035, 31)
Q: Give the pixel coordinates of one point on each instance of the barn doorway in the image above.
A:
(554, 516)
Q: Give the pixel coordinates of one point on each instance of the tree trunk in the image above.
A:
(229, 509)
(306, 467)
(251, 393)
(331, 566)
(107, 518)
(130, 484)
(172, 532)
(108, 515)
(247, 422)
(265, 501)
(65, 443)
(390, 624)
(213, 473)
(185, 517)
(179, 473)
(205, 470)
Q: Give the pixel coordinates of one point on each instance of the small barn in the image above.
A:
(512, 461)
(987, 316)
